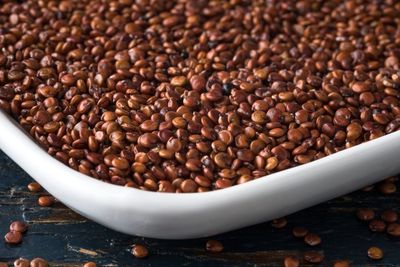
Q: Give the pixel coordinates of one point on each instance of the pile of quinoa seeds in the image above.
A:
(194, 95)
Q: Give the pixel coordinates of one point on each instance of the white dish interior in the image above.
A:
(177, 216)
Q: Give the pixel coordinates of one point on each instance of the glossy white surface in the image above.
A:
(177, 216)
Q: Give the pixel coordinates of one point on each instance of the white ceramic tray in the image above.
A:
(178, 216)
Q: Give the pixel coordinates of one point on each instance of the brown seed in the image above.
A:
(272, 163)
(279, 223)
(46, 201)
(291, 261)
(178, 81)
(377, 226)
(139, 251)
(198, 82)
(387, 188)
(14, 19)
(165, 186)
(150, 184)
(259, 117)
(375, 253)
(149, 126)
(188, 186)
(21, 262)
(223, 183)
(193, 165)
(13, 237)
(3, 264)
(392, 62)
(202, 181)
(381, 118)
(51, 127)
(179, 122)
(171, 21)
(214, 246)
(148, 140)
(18, 226)
(295, 135)
(131, 28)
(360, 87)
(34, 187)
(299, 232)
(312, 239)
(68, 79)
(39, 262)
(109, 116)
(138, 167)
(222, 160)
(120, 163)
(389, 216)
(393, 229)
(225, 136)
(166, 154)
(313, 257)
(341, 263)
(90, 264)
(85, 106)
(286, 96)
(47, 91)
(354, 131)
(277, 132)
(365, 214)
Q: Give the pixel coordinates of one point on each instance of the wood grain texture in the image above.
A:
(67, 239)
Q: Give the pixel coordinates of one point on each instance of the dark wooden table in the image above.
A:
(66, 239)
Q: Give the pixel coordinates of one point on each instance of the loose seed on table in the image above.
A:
(18, 226)
(341, 263)
(139, 251)
(393, 229)
(13, 237)
(312, 239)
(34, 187)
(90, 264)
(375, 253)
(21, 262)
(39, 262)
(291, 261)
(279, 223)
(313, 257)
(214, 246)
(387, 188)
(365, 214)
(389, 216)
(45, 201)
(377, 225)
(299, 232)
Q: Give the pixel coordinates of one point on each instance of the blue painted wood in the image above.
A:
(67, 239)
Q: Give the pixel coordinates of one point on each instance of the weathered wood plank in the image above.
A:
(67, 239)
